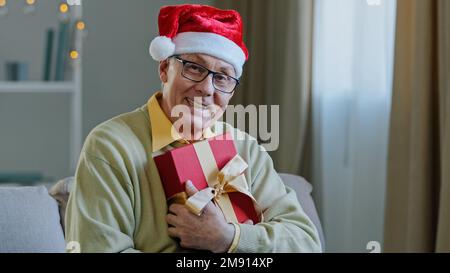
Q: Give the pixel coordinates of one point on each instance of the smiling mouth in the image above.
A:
(194, 104)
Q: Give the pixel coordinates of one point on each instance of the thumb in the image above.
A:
(248, 222)
(190, 188)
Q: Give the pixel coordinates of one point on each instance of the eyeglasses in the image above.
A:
(198, 73)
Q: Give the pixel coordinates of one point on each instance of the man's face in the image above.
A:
(206, 104)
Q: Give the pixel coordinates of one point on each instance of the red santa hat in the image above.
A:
(185, 29)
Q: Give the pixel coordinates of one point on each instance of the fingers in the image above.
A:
(173, 232)
(176, 208)
(211, 207)
(248, 222)
(190, 188)
(172, 220)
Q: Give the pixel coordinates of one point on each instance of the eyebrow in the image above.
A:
(223, 69)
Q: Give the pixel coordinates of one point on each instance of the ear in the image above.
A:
(163, 70)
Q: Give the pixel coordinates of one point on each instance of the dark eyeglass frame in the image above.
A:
(185, 62)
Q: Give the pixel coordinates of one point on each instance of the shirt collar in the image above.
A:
(161, 126)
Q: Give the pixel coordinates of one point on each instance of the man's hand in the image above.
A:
(209, 231)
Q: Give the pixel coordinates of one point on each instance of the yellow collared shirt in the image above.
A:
(162, 134)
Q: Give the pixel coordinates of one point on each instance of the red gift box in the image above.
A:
(177, 166)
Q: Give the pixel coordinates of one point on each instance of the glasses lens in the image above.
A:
(194, 71)
(224, 83)
(198, 73)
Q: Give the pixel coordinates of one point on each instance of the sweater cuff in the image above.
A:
(237, 235)
(248, 241)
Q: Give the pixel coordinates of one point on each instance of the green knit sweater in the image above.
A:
(118, 204)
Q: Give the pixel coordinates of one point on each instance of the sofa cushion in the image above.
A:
(61, 192)
(29, 221)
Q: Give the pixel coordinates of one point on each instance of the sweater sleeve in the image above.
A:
(100, 209)
(286, 227)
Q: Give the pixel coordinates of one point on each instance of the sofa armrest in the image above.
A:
(304, 190)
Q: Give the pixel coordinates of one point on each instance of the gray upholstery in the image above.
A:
(29, 221)
(304, 190)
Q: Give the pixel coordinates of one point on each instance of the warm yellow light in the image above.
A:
(74, 54)
(2, 3)
(81, 25)
(63, 8)
(31, 2)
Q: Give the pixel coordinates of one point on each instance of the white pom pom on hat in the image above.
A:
(162, 48)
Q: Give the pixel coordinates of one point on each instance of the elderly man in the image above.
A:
(118, 202)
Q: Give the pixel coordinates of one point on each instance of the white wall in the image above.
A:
(118, 73)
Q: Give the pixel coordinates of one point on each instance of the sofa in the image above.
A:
(31, 218)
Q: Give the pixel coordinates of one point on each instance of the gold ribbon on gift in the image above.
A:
(220, 183)
(178, 198)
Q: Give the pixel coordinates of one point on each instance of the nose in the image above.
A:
(206, 86)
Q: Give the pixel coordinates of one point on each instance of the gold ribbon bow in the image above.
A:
(229, 179)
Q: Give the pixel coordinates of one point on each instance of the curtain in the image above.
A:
(279, 38)
(418, 190)
(352, 89)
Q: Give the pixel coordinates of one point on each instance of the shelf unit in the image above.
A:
(72, 88)
(36, 87)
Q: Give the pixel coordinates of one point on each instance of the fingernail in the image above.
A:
(189, 184)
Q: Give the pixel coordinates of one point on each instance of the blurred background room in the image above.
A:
(363, 88)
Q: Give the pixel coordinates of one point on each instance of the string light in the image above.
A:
(81, 25)
(63, 8)
(30, 6)
(3, 8)
(74, 54)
